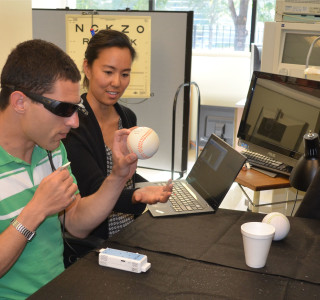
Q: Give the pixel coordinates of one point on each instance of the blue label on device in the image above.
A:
(123, 254)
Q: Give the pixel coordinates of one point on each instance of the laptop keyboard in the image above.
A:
(181, 199)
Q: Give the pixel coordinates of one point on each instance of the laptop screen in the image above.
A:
(215, 170)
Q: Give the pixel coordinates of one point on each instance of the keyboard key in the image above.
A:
(265, 162)
(182, 200)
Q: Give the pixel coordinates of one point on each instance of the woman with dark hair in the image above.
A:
(107, 67)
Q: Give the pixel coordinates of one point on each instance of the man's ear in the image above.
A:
(18, 101)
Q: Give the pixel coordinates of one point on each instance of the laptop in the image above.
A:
(207, 183)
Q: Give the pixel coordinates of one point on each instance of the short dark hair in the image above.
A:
(35, 66)
(106, 39)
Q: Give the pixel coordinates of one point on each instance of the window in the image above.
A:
(113, 4)
(265, 13)
(218, 24)
(223, 24)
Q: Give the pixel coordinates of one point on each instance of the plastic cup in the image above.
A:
(257, 238)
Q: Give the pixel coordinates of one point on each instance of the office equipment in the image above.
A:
(207, 183)
(308, 164)
(124, 260)
(297, 10)
(311, 70)
(259, 160)
(278, 111)
(169, 67)
(198, 258)
(218, 120)
(286, 46)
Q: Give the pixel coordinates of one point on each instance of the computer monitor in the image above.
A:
(286, 46)
(278, 111)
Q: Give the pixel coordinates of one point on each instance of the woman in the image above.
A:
(107, 67)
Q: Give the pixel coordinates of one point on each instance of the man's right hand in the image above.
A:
(55, 193)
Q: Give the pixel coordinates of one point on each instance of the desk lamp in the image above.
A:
(311, 70)
(308, 164)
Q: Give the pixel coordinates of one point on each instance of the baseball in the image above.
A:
(280, 223)
(143, 141)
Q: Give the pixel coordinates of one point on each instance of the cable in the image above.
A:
(294, 205)
(53, 168)
(64, 211)
(174, 121)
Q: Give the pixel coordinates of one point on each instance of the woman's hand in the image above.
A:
(153, 194)
(124, 163)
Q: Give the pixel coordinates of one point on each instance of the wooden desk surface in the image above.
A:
(258, 181)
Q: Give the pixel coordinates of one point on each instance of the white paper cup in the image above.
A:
(257, 238)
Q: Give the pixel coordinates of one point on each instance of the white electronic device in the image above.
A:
(296, 8)
(286, 46)
(65, 166)
(124, 260)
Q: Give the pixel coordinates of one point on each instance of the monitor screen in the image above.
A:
(296, 47)
(279, 110)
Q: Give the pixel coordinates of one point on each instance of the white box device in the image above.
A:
(123, 260)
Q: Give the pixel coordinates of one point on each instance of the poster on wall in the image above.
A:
(137, 28)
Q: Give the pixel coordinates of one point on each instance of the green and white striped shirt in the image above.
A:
(42, 258)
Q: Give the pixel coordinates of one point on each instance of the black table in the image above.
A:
(198, 257)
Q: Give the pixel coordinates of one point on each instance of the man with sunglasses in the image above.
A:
(39, 104)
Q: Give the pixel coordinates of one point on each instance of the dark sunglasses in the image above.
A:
(61, 109)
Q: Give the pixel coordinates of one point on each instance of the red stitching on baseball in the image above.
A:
(140, 144)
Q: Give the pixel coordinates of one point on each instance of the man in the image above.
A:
(39, 103)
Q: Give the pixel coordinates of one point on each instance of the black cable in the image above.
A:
(64, 211)
(51, 161)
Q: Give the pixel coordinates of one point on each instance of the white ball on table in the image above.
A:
(280, 223)
(143, 141)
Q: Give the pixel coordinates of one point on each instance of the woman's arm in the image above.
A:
(88, 212)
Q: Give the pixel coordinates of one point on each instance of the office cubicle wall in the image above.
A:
(171, 46)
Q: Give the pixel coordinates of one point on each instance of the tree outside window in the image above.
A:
(218, 24)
